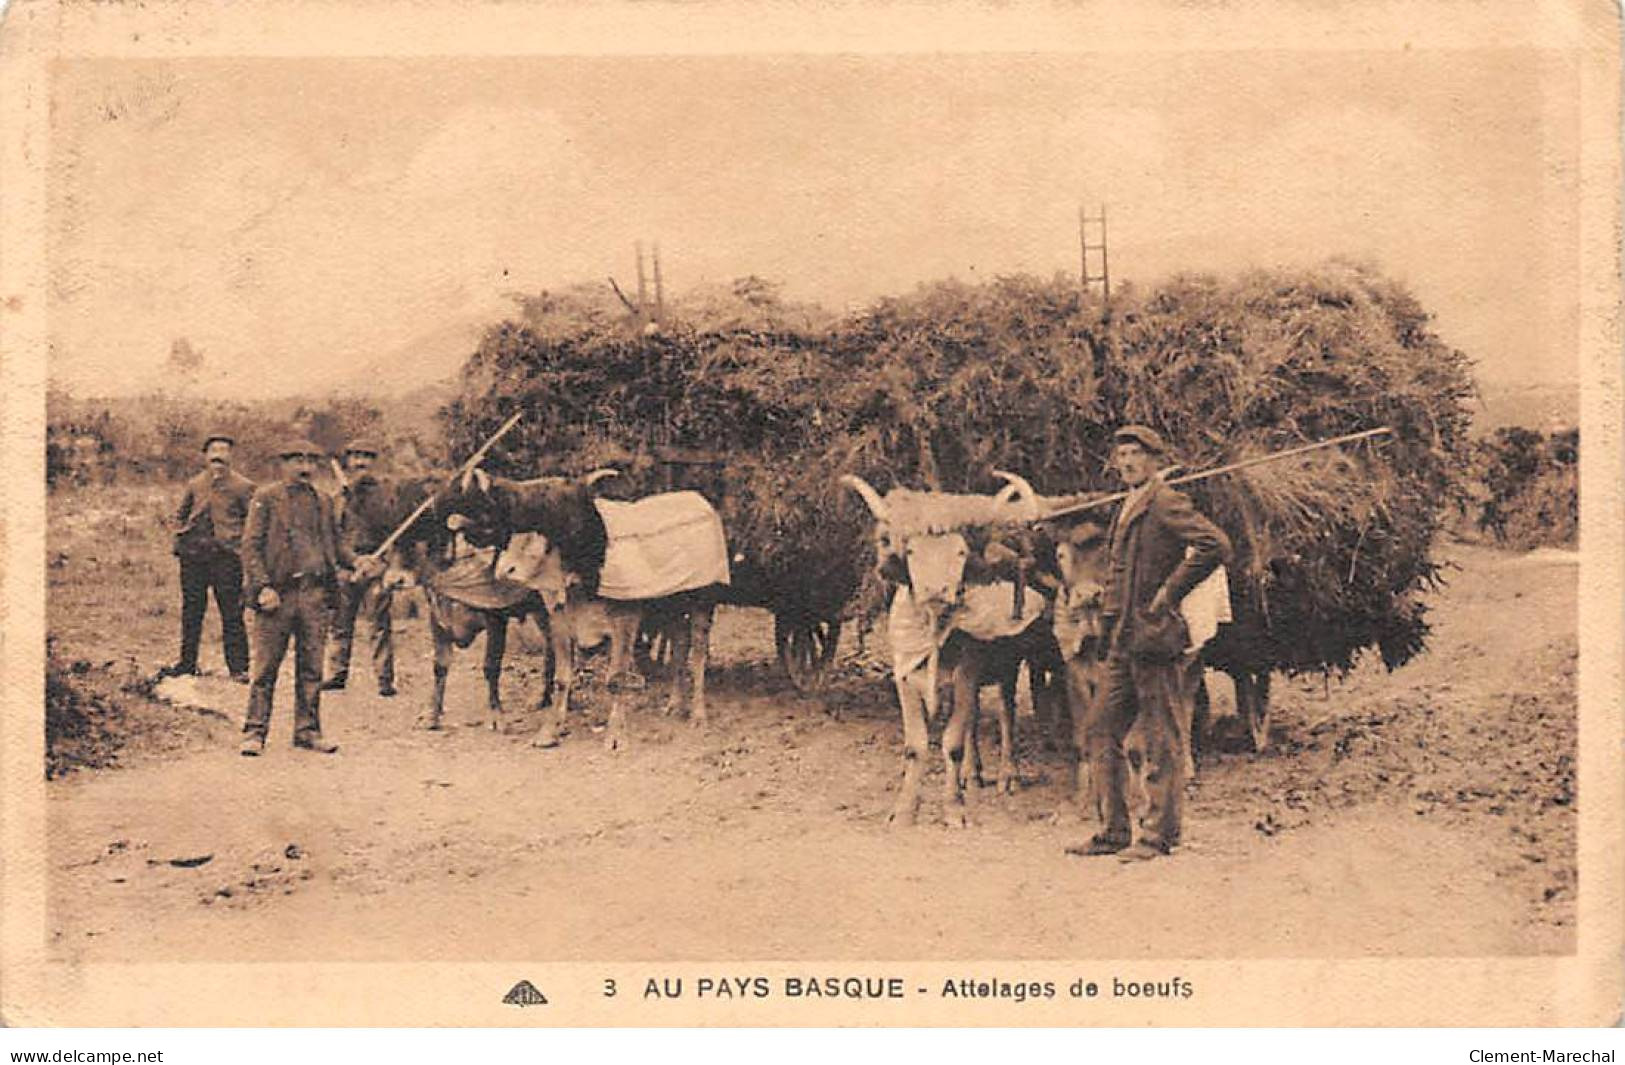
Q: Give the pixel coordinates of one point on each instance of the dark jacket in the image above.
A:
(212, 513)
(1158, 542)
(367, 514)
(267, 548)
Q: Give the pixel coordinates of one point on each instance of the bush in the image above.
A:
(159, 437)
(1530, 487)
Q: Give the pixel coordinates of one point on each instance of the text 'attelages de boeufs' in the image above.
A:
(882, 988)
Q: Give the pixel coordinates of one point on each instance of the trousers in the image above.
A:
(1158, 694)
(221, 572)
(369, 599)
(302, 618)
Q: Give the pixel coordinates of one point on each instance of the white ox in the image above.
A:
(941, 607)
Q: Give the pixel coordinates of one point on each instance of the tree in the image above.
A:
(185, 361)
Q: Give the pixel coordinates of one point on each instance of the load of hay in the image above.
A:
(939, 388)
(745, 383)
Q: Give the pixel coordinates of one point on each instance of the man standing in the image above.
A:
(291, 560)
(1160, 548)
(366, 518)
(210, 528)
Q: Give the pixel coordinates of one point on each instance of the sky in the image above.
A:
(295, 218)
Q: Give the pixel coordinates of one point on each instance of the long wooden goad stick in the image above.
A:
(1200, 475)
(473, 460)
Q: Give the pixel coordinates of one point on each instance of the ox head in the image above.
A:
(921, 539)
(1083, 567)
(533, 562)
(489, 510)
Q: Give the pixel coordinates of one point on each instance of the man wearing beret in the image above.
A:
(291, 560)
(209, 526)
(365, 519)
(1159, 548)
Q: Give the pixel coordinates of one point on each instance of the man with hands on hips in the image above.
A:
(292, 557)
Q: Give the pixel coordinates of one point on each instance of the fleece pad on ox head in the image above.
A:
(661, 545)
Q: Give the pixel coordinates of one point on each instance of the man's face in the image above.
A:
(218, 456)
(1133, 463)
(299, 467)
(358, 462)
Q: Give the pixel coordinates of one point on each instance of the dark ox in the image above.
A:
(428, 555)
(490, 511)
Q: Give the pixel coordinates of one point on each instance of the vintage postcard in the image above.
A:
(706, 514)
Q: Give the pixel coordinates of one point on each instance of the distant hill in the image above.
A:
(430, 361)
(1541, 405)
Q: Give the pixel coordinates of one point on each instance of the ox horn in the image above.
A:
(1017, 488)
(477, 477)
(457, 522)
(599, 474)
(877, 505)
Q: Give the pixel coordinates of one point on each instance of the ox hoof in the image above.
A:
(546, 738)
(429, 724)
(1007, 783)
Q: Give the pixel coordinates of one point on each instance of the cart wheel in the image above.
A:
(806, 649)
(1253, 703)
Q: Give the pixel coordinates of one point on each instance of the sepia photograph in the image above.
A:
(998, 522)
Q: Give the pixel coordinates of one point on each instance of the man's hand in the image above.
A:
(268, 600)
(368, 567)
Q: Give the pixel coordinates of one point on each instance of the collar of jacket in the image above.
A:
(1134, 507)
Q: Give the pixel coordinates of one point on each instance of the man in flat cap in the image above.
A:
(291, 560)
(209, 529)
(366, 517)
(1160, 548)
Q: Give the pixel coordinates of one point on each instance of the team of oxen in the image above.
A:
(982, 587)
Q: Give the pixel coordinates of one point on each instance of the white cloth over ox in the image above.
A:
(661, 545)
(1207, 607)
(986, 613)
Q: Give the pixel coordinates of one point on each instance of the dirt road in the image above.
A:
(1427, 812)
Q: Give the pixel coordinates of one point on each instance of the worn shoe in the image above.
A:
(240, 678)
(253, 745)
(177, 670)
(335, 684)
(1098, 845)
(317, 744)
(386, 691)
(1145, 851)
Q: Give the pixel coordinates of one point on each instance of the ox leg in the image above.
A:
(1083, 688)
(1201, 716)
(959, 730)
(1007, 731)
(442, 665)
(699, 652)
(621, 687)
(496, 647)
(682, 644)
(560, 681)
(915, 748)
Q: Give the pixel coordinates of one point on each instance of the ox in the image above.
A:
(576, 622)
(944, 596)
(491, 510)
(462, 597)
